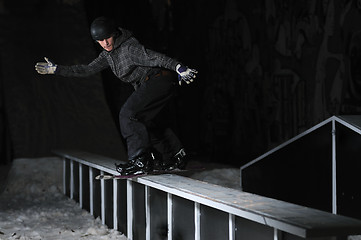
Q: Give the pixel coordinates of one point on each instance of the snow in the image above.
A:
(32, 205)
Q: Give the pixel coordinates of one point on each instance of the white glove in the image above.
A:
(185, 74)
(45, 67)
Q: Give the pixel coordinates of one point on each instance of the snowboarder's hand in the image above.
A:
(45, 67)
(185, 74)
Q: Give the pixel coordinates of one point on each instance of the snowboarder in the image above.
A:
(150, 74)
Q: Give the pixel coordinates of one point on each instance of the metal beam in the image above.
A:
(65, 187)
(81, 185)
(147, 213)
(197, 221)
(231, 227)
(115, 204)
(170, 215)
(91, 190)
(102, 198)
(334, 169)
(277, 234)
(71, 179)
(130, 209)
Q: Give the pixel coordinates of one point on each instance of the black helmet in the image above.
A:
(102, 28)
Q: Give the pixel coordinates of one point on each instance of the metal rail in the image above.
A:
(175, 207)
(350, 121)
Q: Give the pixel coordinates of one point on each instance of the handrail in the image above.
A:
(352, 122)
(177, 201)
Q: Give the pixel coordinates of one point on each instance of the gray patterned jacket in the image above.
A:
(130, 61)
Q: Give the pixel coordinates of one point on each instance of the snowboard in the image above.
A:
(155, 172)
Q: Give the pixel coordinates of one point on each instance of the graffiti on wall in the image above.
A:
(275, 68)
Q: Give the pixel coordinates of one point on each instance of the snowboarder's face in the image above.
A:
(107, 43)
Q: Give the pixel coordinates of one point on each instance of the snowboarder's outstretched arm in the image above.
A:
(49, 67)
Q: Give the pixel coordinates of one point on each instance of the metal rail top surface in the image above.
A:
(291, 218)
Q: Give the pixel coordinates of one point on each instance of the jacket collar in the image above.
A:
(124, 36)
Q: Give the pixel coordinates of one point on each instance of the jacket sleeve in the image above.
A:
(95, 66)
(146, 57)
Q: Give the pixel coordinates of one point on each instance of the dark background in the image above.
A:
(268, 70)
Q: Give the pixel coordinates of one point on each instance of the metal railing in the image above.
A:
(353, 123)
(176, 207)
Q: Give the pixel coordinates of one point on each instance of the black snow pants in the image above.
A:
(141, 118)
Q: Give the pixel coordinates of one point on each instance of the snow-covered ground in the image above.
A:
(32, 205)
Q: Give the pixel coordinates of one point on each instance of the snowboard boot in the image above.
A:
(139, 165)
(178, 161)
